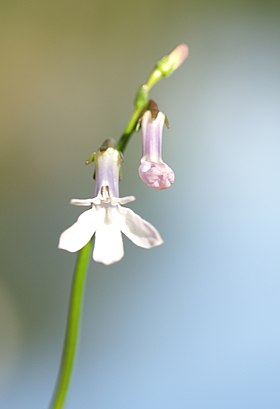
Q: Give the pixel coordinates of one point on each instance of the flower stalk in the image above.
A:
(138, 230)
(72, 328)
(165, 67)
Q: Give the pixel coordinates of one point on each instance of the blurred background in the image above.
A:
(195, 322)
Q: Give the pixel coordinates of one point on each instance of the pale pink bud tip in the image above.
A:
(157, 175)
(178, 55)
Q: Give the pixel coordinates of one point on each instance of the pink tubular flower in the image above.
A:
(153, 171)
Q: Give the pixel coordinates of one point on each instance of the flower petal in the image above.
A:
(82, 202)
(122, 200)
(108, 247)
(138, 230)
(152, 136)
(80, 233)
(157, 175)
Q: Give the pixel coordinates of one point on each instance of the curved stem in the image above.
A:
(163, 68)
(72, 329)
(141, 103)
(130, 128)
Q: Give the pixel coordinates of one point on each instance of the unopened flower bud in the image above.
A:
(172, 61)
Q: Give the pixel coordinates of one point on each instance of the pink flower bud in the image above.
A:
(153, 171)
(178, 56)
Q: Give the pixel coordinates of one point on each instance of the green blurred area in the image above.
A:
(69, 73)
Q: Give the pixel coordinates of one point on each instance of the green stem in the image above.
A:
(72, 330)
(141, 102)
(130, 128)
(79, 278)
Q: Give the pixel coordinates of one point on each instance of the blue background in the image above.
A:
(193, 323)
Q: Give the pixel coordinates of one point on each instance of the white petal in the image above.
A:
(108, 247)
(81, 202)
(123, 200)
(138, 230)
(80, 233)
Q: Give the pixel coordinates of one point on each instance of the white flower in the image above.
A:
(152, 170)
(106, 218)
